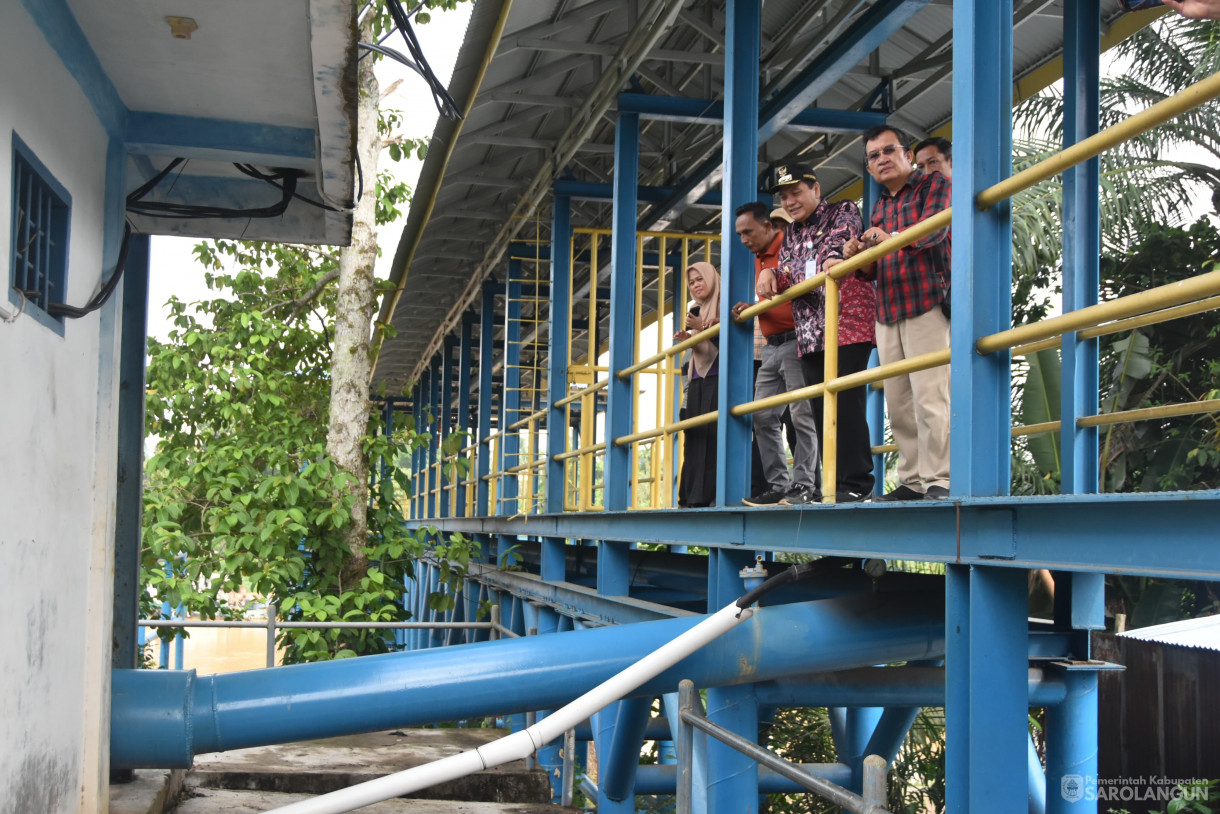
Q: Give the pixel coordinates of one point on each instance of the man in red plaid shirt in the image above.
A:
(912, 318)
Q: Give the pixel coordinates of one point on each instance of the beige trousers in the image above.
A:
(918, 403)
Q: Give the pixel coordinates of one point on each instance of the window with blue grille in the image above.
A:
(38, 249)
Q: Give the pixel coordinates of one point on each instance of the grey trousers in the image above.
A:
(780, 372)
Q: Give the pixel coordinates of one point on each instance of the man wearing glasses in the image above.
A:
(912, 312)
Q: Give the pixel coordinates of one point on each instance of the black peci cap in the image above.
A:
(785, 174)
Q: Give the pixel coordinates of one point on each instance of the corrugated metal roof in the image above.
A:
(1202, 634)
(525, 126)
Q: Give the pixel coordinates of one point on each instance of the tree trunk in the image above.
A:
(350, 363)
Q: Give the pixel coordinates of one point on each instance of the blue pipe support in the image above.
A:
(859, 727)
(1071, 744)
(889, 733)
(616, 777)
(671, 705)
(308, 701)
(605, 724)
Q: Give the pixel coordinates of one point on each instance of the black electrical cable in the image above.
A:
(794, 574)
(273, 180)
(444, 102)
(392, 54)
(162, 209)
(61, 309)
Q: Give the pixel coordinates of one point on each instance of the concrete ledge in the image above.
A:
(218, 801)
(318, 767)
(153, 791)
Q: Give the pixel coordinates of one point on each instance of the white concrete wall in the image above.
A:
(57, 437)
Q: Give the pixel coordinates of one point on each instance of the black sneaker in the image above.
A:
(768, 498)
(853, 497)
(799, 495)
(937, 493)
(901, 493)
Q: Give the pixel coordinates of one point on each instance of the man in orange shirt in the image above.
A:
(780, 372)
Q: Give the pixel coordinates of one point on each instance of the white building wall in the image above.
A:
(56, 460)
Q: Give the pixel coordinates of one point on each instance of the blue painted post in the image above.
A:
(733, 786)
(724, 580)
(554, 565)
(982, 247)
(616, 495)
(129, 494)
(604, 725)
(741, 43)
(487, 345)
(510, 441)
(1071, 745)
(890, 731)
(1037, 780)
(860, 725)
(444, 421)
(557, 350)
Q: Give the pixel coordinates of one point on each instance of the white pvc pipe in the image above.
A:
(521, 744)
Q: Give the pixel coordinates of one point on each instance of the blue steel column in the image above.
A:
(553, 567)
(510, 409)
(741, 46)
(487, 333)
(434, 382)
(957, 689)
(557, 350)
(419, 480)
(443, 421)
(982, 246)
(875, 401)
(617, 467)
(465, 365)
(129, 494)
(733, 786)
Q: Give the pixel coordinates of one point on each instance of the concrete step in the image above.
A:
(224, 801)
(318, 767)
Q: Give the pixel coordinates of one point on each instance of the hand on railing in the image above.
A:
(738, 308)
(765, 286)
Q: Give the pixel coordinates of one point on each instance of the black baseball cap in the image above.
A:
(785, 174)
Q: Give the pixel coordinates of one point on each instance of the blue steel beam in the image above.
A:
(863, 37)
(162, 718)
(711, 111)
(434, 381)
(510, 396)
(465, 368)
(740, 154)
(890, 687)
(1094, 533)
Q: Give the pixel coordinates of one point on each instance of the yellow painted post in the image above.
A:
(830, 405)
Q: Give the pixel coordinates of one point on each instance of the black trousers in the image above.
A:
(855, 458)
(758, 481)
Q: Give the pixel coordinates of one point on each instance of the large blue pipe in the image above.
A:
(163, 718)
